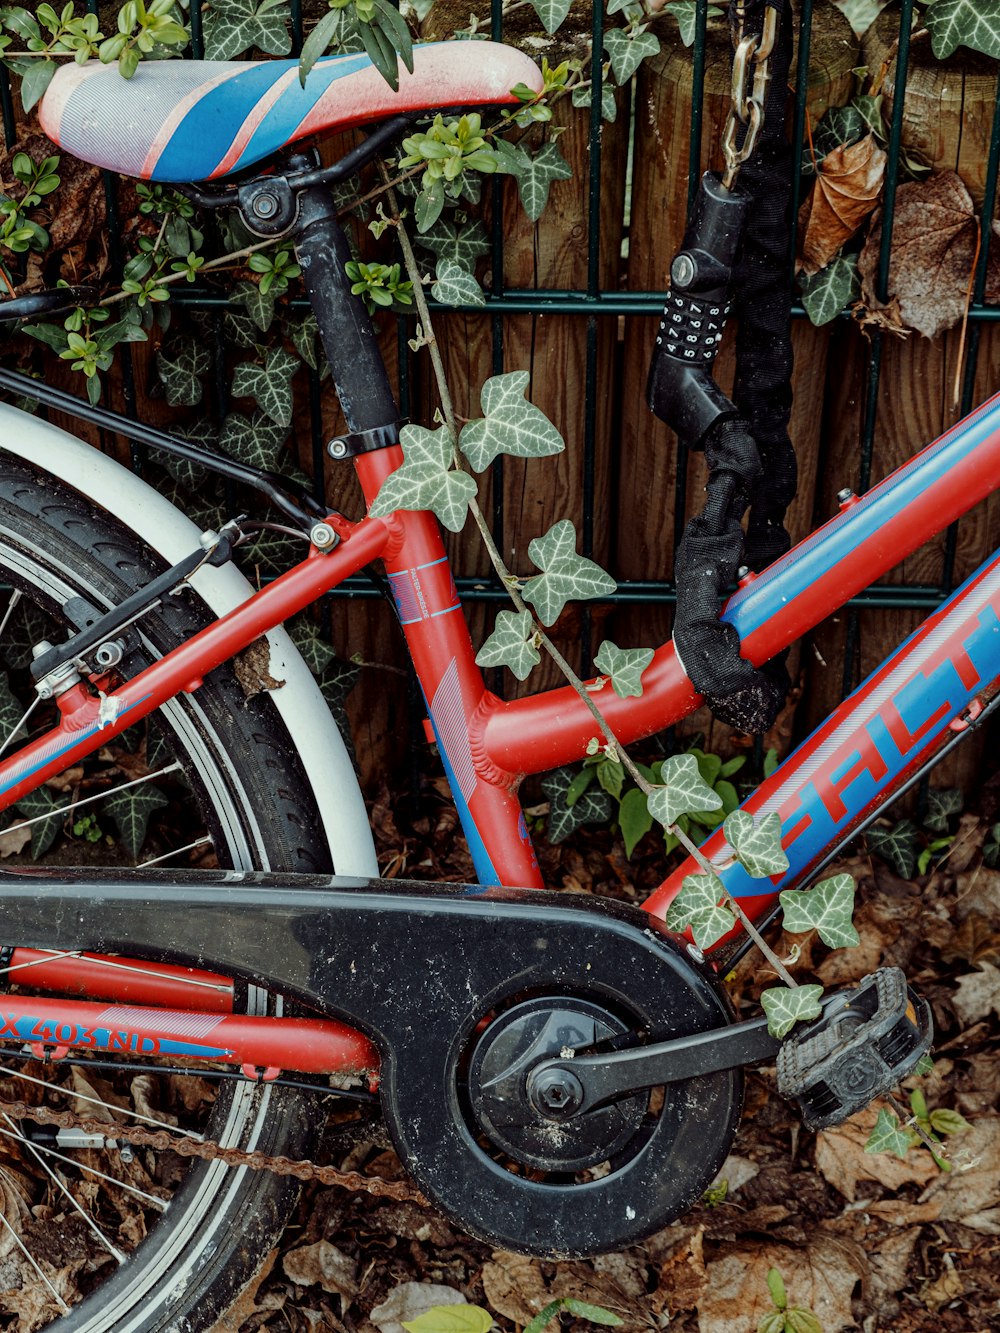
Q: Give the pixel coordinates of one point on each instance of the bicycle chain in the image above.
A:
(209, 1150)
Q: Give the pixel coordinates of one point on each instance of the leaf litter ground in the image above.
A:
(867, 1242)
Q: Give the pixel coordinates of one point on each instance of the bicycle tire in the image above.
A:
(257, 805)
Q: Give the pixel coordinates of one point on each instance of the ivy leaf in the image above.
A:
(757, 843)
(315, 651)
(826, 908)
(270, 385)
(464, 245)
(455, 285)
(511, 425)
(942, 802)
(255, 440)
(830, 290)
(625, 667)
(450, 1319)
(235, 26)
(259, 305)
(697, 907)
(566, 576)
(534, 175)
(890, 1136)
(302, 334)
(26, 627)
(510, 644)
(180, 371)
(627, 53)
(898, 846)
(427, 479)
(240, 330)
(11, 713)
(130, 809)
(43, 834)
(634, 818)
(609, 107)
(592, 807)
(682, 791)
(551, 12)
(973, 23)
(991, 846)
(785, 1006)
(686, 12)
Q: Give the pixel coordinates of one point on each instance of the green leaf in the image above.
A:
(611, 776)
(826, 908)
(944, 1121)
(757, 843)
(180, 369)
(627, 52)
(259, 305)
(609, 105)
(898, 846)
(534, 175)
(451, 1319)
(11, 713)
(35, 81)
(255, 440)
(686, 14)
(826, 293)
(595, 1313)
(682, 792)
(303, 333)
(551, 12)
(511, 645)
(798, 1320)
(427, 479)
(455, 285)
(579, 785)
(235, 26)
(565, 575)
(972, 23)
(428, 205)
(463, 244)
(890, 1136)
(130, 809)
(316, 652)
(43, 834)
(991, 847)
(269, 385)
(317, 42)
(625, 667)
(772, 1323)
(697, 906)
(511, 425)
(942, 802)
(592, 807)
(776, 1286)
(634, 818)
(544, 1317)
(785, 1006)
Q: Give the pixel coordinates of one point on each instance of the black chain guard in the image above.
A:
(433, 974)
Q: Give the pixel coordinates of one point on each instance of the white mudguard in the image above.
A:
(172, 535)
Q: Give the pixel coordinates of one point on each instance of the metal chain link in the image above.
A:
(750, 81)
(208, 1150)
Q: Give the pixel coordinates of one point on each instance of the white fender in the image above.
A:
(172, 535)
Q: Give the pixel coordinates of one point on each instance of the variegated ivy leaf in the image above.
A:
(455, 285)
(462, 244)
(427, 479)
(627, 53)
(787, 1005)
(973, 23)
(682, 791)
(890, 1136)
(609, 107)
(303, 334)
(826, 908)
(11, 713)
(270, 385)
(235, 26)
(258, 305)
(593, 806)
(625, 667)
(942, 802)
(534, 175)
(686, 14)
(43, 834)
(130, 809)
(826, 293)
(757, 843)
(697, 908)
(511, 424)
(313, 648)
(551, 12)
(511, 645)
(255, 440)
(566, 576)
(180, 369)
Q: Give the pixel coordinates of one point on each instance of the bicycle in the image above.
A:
(560, 1076)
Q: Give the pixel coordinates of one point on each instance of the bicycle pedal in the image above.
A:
(866, 1041)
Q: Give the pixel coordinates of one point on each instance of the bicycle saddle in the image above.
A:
(190, 120)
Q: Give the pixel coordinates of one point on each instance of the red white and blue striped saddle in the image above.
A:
(190, 120)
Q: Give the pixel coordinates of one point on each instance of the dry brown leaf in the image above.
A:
(975, 940)
(14, 840)
(970, 1192)
(888, 1262)
(842, 1161)
(409, 1300)
(324, 1264)
(947, 1286)
(848, 184)
(978, 994)
(683, 1278)
(821, 1278)
(514, 1286)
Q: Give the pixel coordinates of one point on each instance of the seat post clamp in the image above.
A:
(364, 441)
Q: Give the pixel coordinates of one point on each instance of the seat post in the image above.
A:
(359, 372)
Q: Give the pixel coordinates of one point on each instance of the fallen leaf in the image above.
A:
(514, 1286)
(978, 994)
(14, 840)
(842, 1161)
(847, 189)
(410, 1299)
(325, 1265)
(970, 1192)
(888, 1262)
(820, 1278)
(683, 1277)
(947, 1286)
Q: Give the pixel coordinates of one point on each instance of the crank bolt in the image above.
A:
(556, 1093)
(337, 448)
(265, 206)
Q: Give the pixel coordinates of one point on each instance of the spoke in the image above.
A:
(188, 846)
(18, 725)
(96, 1101)
(97, 796)
(36, 1152)
(15, 598)
(93, 1171)
(31, 1259)
(52, 955)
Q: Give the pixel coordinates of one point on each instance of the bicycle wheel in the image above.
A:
(184, 1265)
